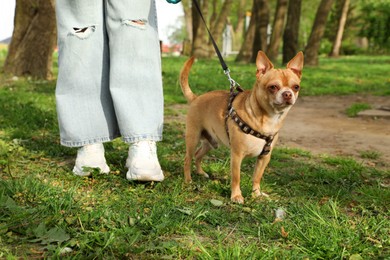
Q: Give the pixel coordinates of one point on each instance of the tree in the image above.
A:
(188, 19)
(239, 28)
(277, 30)
(219, 24)
(317, 32)
(33, 39)
(245, 53)
(261, 14)
(201, 46)
(291, 31)
(339, 36)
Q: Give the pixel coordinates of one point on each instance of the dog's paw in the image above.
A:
(257, 193)
(238, 199)
(201, 172)
(204, 175)
(188, 180)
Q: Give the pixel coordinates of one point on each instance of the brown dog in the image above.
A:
(253, 122)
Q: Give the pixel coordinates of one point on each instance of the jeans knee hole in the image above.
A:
(84, 32)
(137, 23)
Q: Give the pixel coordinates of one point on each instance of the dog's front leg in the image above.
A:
(235, 165)
(261, 163)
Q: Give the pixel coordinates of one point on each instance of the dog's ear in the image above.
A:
(263, 64)
(296, 64)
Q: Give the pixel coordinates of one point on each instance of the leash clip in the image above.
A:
(233, 83)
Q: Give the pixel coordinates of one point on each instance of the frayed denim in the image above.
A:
(109, 81)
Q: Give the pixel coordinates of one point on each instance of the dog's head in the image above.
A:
(277, 89)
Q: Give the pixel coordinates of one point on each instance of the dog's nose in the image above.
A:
(287, 95)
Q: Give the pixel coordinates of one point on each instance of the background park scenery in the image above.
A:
(323, 204)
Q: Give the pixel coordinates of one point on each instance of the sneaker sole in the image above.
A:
(145, 177)
(79, 172)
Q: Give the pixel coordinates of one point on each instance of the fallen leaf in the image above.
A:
(132, 221)
(216, 203)
(385, 185)
(247, 209)
(276, 220)
(324, 200)
(186, 211)
(284, 233)
(280, 213)
(66, 250)
(355, 257)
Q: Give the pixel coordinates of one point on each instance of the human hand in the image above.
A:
(173, 1)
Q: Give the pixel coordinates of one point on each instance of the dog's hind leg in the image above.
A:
(192, 140)
(200, 153)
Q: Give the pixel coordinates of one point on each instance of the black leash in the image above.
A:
(233, 84)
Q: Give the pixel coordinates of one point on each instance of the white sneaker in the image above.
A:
(143, 162)
(91, 156)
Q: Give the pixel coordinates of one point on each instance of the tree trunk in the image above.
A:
(261, 14)
(202, 47)
(291, 32)
(339, 36)
(187, 43)
(239, 30)
(33, 39)
(277, 30)
(214, 14)
(188, 19)
(245, 53)
(313, 45)
(200, 43)
(220, 21)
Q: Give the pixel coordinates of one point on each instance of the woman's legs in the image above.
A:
(102, 88)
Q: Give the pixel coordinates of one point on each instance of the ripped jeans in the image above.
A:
(109, 81)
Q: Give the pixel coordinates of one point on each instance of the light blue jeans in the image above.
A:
(109, 80)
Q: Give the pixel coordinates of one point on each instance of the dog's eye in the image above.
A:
(273, 88)
(296, 88)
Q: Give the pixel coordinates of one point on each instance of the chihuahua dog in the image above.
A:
(248, 122)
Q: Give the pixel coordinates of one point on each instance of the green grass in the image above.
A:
(341, 76)
(336, 208)
(354, 109)
(373, 155)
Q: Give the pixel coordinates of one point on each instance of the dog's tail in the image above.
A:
(185, 87)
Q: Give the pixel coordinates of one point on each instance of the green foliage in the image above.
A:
(334, 207)
(376, 20)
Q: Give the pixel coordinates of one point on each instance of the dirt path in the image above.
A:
(320, 125)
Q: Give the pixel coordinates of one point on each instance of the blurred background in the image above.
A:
(241, 28)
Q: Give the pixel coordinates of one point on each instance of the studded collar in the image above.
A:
(232, 113)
